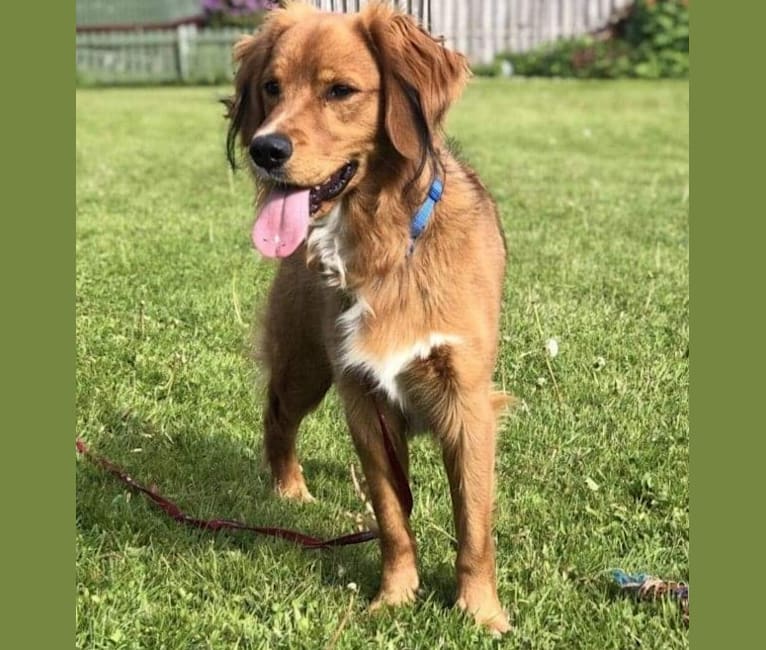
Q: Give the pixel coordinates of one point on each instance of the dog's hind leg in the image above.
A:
(399, 579)
(290, 398)
(299, 376)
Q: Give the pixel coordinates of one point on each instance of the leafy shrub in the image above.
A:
(651, 42)
(659, 34)
(580, 57)
(487, 69)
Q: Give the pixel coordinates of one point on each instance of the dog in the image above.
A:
(392, 261)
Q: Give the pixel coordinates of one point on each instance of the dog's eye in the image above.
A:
(271, 88)
(340, 91)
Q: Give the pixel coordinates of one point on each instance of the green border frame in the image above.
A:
(39, 352)
(726, 386)
(39, 279)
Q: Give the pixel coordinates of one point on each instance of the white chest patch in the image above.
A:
(385, 370)
(325, 246)
(327, 249)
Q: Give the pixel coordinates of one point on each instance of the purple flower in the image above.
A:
(237, 7)
(212, 5)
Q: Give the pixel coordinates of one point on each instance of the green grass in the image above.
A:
(592, 183)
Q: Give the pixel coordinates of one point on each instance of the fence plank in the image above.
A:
(501, 26)
(461, 27)
(444, 21)
(594, 15)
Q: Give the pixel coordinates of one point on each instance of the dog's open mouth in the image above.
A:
(282, 222)
(331, 187)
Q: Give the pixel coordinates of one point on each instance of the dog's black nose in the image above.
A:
(270, 151)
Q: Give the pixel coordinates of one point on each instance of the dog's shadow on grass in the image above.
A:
(213, 476)
(210, 476)
(319, 471)
(360, 568)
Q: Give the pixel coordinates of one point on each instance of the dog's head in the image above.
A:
(320, 98)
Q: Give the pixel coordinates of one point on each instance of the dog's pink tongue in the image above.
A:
(282, 223)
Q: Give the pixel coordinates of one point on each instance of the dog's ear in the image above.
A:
(420, 77)
(244, 108)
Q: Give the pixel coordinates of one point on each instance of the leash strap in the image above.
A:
(172, 510)
(402, 484)
(420, 220)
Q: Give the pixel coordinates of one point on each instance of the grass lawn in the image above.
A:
(592, 182)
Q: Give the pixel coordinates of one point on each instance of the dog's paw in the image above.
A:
(487, 612)
(396, 590)
(392, 598)
(294, 490)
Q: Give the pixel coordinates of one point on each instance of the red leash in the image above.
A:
(306, 541)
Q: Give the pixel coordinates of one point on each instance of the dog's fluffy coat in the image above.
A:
(357, 304)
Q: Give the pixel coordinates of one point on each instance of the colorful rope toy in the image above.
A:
(647, 587)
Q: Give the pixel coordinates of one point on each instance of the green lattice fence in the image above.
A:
(184, 54)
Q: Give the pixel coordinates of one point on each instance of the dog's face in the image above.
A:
(319, 92)
(321, 96)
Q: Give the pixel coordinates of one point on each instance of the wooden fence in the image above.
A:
(483, 28)
(184, 54)
(479, 28)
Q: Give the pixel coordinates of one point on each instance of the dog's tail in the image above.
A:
(502, 403)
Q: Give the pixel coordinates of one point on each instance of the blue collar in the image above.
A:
(421, 217)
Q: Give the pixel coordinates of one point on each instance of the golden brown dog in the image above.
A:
(341, 117)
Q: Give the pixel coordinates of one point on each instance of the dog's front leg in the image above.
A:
(468, 448)
(399, 580)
